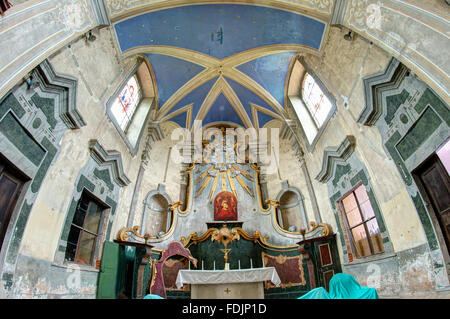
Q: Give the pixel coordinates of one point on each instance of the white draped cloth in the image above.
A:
(199, 277)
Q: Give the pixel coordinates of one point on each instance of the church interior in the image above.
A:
(223, 149)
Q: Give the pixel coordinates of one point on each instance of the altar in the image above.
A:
(228, 284)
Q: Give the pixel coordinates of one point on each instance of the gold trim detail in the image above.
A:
(244, 173)
(224, 182)
(327, 229)
(205, 183)
(271, 203)
(232, 183)
(214, 186)
(194, 239)
(244, 186)
(123, 236)
(178, 204)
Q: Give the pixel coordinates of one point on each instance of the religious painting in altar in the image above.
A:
(170, 272)
(289, 269)
(225, 207)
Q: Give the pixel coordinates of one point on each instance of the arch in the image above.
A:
(291, 210)
(156, 205)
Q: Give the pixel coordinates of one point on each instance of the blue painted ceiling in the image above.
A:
(220, 32)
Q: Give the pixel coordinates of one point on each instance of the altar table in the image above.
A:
(228, 284)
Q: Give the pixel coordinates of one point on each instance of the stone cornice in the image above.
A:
(112, 158)
(331, 155)
(65, 87)
(375, 85)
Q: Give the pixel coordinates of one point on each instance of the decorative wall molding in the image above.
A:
(331, 155)
(339, 11)
(113, 158)
(414, 32)
(374, 87)
(413, 122)
(122, 9)
(66, 87)
(100, 12)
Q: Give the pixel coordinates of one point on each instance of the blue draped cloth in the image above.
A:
(342, 286)
(150, 296)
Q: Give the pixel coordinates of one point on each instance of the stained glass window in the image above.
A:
(126, 103)
(362, 223)
(317, 102)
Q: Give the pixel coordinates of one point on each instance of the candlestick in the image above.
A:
(262, 259)
(189, 265)
(251, 263)
(239, 264)
(202, 264)
(214, 265)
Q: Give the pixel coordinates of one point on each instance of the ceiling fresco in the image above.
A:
(220, 62)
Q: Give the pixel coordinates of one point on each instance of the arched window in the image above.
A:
(125, 104)
(291, 212)
(157, 218)
(129, 107)
(318, 104)
(312, 102)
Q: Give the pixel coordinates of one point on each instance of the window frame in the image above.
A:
(307, 70)
(104, 209)
(132, 72)
(141, 97)
(363, 222)
(302, 97)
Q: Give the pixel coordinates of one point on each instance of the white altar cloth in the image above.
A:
(200, 277)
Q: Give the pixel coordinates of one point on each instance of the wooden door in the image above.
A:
(436, 183)
(10, 185)
(327, 261)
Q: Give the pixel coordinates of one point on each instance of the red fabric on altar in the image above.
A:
(289, 269)
(170, 272)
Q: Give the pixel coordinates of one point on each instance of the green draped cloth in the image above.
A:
(342, 286)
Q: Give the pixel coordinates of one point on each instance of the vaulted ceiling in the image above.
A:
(220, 62)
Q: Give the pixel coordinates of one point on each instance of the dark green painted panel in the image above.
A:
(360, 177)
(14, 245)
(19, 136)
(84, 182)
(376, 210)
(39, 177)
(113, 206)
(390, 146)
(429, 98)
(419, 133)
(48, 108)
(333, 200)
(341, 170)
(426, 222)
(11, 103)
(104, 176)
(69, 219)
(393, 102)
(109, 271)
